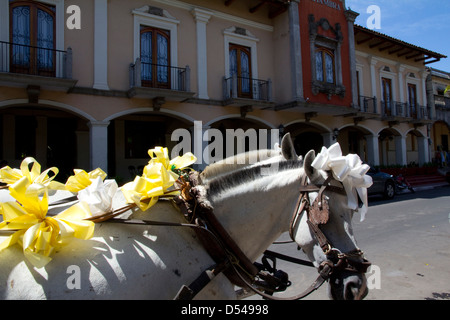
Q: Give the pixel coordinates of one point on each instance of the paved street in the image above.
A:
(408, 238)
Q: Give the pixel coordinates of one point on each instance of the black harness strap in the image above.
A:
(189, 292)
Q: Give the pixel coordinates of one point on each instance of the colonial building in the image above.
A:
(391, 76)
(101, 91)
(437, 83)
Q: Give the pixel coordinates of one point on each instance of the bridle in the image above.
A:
(317, 215)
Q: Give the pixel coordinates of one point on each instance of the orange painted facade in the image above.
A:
(333, 12)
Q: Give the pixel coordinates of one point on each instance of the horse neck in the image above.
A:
(257, 213)
(238, 162)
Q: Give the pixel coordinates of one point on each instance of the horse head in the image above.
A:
(324, 229)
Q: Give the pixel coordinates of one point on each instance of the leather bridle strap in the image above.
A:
(324, 274)
(344, 260)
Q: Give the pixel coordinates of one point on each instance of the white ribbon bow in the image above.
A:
(350, 171)
(99, 195)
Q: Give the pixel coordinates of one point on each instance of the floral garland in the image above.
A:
(39, 234)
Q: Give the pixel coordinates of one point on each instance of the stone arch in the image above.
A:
(238, 135)
(54, 133)
(252, 118)
(308, 135)
(356, 139)
(440, 137)
(392, 148)
(132, 132)
(417, 147)
(173, 113)
(52, 104)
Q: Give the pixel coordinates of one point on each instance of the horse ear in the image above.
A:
(287, 148)
(312, 173)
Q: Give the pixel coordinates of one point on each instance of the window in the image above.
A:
(325, 55)
(241, 59)
(155, 57)
(412, 99)
(240, 65)
(324, 65)
(386, 92)
(32, 32)
(155, 44)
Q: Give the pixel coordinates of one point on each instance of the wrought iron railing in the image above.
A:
(243, 87)
(368, 104)
(442, 102)
(394, 108)
(32, 60)
(152, 75)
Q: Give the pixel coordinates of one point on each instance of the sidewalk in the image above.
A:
(430, 181)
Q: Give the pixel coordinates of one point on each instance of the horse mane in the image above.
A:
(236, 163)
(235, 178)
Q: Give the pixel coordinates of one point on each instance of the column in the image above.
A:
(82, 144)
(423, 78)
(295, 51)
(201, 18)
(99, 145)
(373, 79)
(400, 150)
(350, 17)
(401, 91)
(328, 140)
(373, 153)
(422, 143)
(101, 45)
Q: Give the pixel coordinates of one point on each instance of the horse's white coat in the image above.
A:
(149, 262)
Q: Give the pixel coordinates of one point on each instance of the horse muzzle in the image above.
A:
(346, 272)
(348, 286)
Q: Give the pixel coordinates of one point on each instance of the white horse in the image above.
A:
(153, 262)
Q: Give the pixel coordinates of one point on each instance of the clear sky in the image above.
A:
(424, 23)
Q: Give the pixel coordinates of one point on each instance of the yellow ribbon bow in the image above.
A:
(38, 234)
(82, 179)
(157, 178)
(11, 176)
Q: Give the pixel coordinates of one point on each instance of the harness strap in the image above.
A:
(288, 258)
(323, 241)
(189, 292)
(229, 243)
(324, 273)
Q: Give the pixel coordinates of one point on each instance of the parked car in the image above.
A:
(383, 183)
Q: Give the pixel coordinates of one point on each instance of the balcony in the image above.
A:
(395, 111)
(247, 92)
(442, 105)
(25, 66)
(368, 104)
(159, 82)
(392, 111)
(442, 102)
